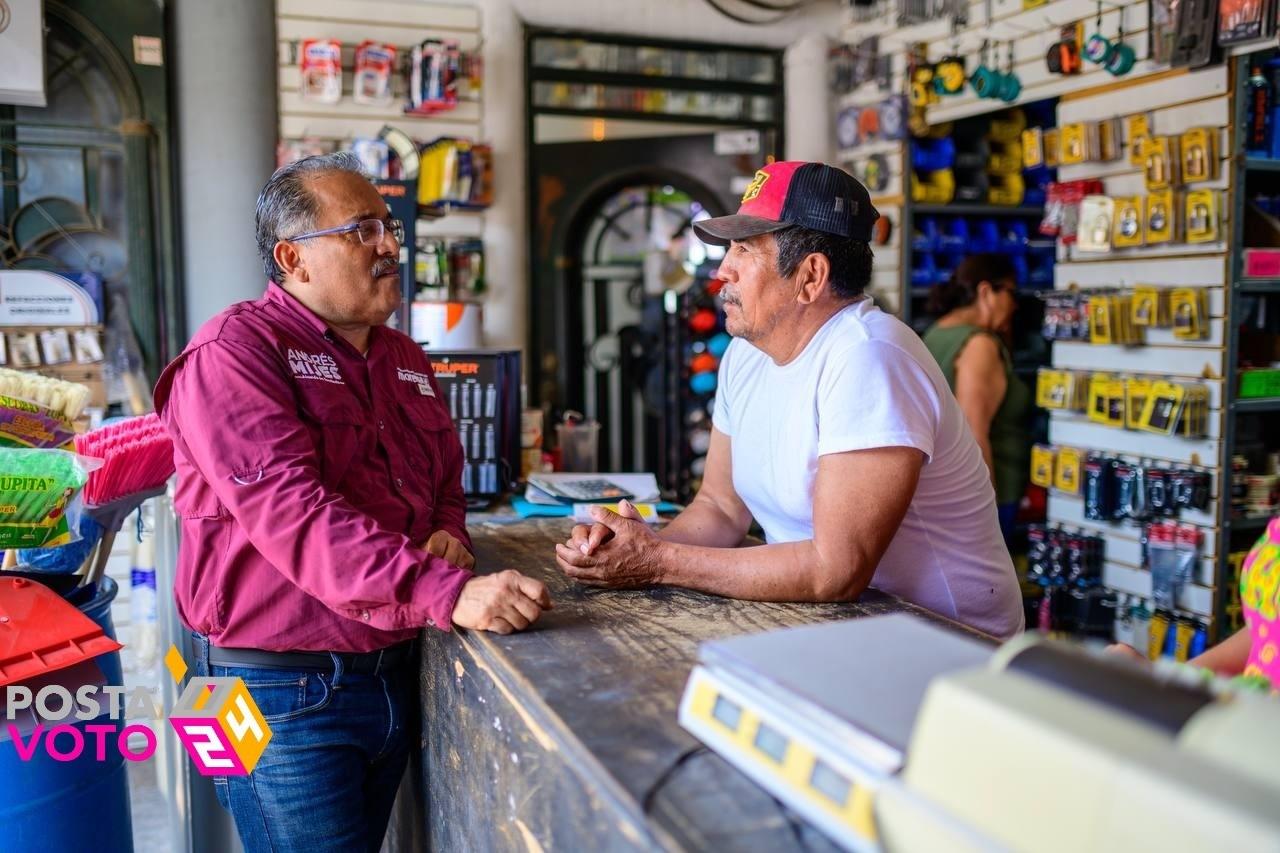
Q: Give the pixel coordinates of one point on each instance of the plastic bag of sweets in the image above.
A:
(40, 502)
(37, 411)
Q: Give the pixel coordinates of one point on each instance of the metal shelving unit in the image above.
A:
(1240, 289)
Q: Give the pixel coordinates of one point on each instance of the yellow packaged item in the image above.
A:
(1129, 222)
(1106, 402)
(1066, 470)
(1162, 218)
(1052, 147)
(1190, 309)
(1201, 216)
(1032, 148)
(1136, 392)
(1137, 130)
(1199, 154)
(1055, 389)
(1144, 309)
(1043, 457)
(1101, 328)
(1160, 162)
(1105, 142)
(1163, 407)
(1074, 144)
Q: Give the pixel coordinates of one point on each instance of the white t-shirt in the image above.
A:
(866, 380)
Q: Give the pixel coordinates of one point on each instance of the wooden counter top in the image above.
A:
(565, 737)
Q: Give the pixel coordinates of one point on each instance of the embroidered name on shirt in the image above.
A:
(314, 366)
(422, 380)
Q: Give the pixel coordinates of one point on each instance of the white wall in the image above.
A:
(506, 228)
(224, 57)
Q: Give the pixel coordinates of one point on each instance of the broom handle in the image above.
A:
(101, 555)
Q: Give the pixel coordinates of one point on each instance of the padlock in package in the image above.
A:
(1162, 219)
(1097, 213)
(1201, 216)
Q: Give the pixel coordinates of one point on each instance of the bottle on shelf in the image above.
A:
(1258, 121)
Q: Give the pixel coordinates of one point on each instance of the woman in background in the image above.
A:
(968, 341)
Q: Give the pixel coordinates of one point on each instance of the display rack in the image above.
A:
(602, 76)
(401, 24)
(1238, 531)
(1175, 103)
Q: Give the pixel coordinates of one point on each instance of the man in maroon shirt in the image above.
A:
(322, 514)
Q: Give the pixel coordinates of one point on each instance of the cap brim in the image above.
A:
(724, 229)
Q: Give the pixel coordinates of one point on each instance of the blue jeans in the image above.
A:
(339, 746)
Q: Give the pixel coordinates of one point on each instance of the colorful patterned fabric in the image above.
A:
(1260, 597)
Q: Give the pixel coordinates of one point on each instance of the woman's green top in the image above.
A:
(1010, 433)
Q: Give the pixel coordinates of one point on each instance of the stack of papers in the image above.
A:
(644, 486)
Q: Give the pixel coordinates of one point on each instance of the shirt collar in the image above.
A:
(286, 300)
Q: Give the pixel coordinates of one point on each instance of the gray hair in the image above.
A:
(286, 205)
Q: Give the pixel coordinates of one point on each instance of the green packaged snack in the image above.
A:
(39, 496)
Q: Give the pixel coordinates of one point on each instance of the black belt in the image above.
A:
(354, 663)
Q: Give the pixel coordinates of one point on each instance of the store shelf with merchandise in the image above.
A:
(424, 152)
(870, 117)
(618, 77)
(1251, 439)
(1190, 354)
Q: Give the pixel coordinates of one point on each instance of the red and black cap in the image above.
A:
(811, 195)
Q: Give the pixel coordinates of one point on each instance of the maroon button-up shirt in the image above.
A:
(308, 477)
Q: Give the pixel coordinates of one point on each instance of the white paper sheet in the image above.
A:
(644, 486)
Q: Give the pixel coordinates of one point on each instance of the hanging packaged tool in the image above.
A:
(1063, 56)
(1122, 57)
(1066, 470)
(1097, 212)
(1107, 402)
(1190, 309)
(1098, 48)
(1149, 307)
(1161, 162)
(321, 71)
(371, 82)
(1136, 392)
(1129, 222)
(1137, 129)
(1195, 45)
(1010, 84)
(1099, 488)
(1032, 148)
(1163, 408)
(1199, 155)
(985, 80)
(1162, 218)
(1201, 218)
(1052, 147)
(1106, 140)
(1159, 498)
(1074, 144)
(1042, 462)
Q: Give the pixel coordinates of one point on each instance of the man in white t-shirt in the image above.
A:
(833, 427)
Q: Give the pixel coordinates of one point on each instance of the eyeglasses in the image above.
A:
(370, 231)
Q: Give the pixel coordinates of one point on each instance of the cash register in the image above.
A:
(891, 733)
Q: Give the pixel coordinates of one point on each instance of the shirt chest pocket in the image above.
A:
(432, 436)
(339, 428)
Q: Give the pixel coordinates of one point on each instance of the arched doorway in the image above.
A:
(627, 242)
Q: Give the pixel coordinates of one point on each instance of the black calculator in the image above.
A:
(580, 491)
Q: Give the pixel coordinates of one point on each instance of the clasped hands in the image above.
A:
(618, 551)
